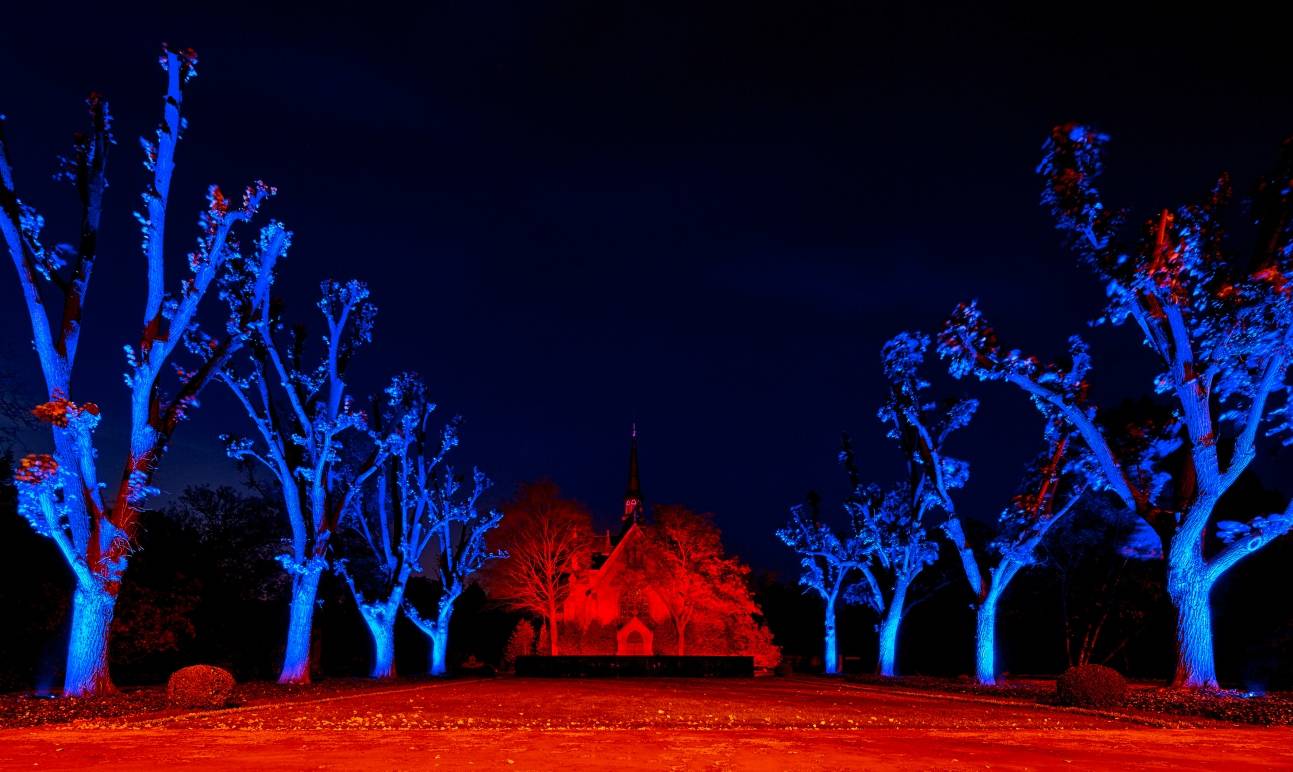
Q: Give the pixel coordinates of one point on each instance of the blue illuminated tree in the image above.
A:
(304, 422)
(416, 503)
(895, 521)
(61, 494)
(830, 565)
(902, 549)
(396, 521)
(1219, 325)
(1054, 483)
(461, 552)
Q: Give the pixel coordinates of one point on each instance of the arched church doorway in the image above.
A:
(634, 646)
(634, 639)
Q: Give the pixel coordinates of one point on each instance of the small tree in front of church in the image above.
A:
(546, 538)
(693, 575)
(519, 644)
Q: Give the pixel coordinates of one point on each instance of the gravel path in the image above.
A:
(799, 723)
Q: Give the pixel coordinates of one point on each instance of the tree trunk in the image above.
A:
(832, 652)
(1085, 652)
(889, 624)
(296, 656)
(552, 630)
(381, 626)
(1189, 589)
(87, 644)
(440, 641)
(985, 641)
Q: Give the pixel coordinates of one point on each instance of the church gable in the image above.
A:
(621, 588)
(626, 557)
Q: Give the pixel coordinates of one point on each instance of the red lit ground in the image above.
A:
(799, 723)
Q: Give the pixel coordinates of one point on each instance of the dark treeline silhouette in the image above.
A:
(206, 589)
(217, 573)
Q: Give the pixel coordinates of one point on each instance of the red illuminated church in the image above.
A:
(662, 586)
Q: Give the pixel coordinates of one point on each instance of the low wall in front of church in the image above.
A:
(618, 667)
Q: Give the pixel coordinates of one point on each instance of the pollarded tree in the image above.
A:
(303, 421)
(1220, 326)
(902, 548)
(461, 553)
(1054, 483)
(399, 519)
(830, 564)
(546, 538)
(62, 496)
(896, 520)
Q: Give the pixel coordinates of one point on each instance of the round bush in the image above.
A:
(199, 686)
(1091, 686)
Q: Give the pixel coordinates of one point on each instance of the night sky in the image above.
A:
(578, 215)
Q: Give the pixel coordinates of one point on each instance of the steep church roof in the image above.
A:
(630, 534)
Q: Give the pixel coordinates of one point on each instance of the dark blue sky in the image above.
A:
(573, 215)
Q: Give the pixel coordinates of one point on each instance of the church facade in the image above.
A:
(620, 601)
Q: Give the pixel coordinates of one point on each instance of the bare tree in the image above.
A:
(61, 493)
(417, 504)
(1054, 483)
(303, 421)
(461, 552)
(692, 572)
(896, 520)
(1220, 323)
(830, 564)
(546, 537)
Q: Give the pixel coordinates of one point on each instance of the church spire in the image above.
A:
(633, 496)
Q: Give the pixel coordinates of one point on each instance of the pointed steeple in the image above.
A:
(633, 496)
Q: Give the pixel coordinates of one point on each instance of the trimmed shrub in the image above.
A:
(544, 646)
(521, 644)
(199, 686)
(1091, 686)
